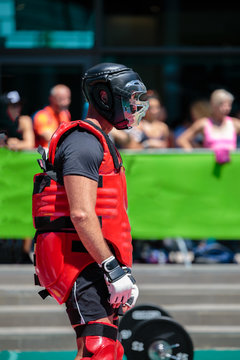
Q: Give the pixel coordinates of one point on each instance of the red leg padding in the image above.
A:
(100, 341)
(120, 350)
(103, 348)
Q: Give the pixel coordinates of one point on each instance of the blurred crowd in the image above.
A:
(209, 124)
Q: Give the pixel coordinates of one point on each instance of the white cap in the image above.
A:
(13, 97)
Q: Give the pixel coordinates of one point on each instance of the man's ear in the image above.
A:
(104, 96)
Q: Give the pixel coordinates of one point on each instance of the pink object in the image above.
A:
(222, 156)
(221, 140)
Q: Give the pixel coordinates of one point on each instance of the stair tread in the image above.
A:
(175, 307)
(44, 330)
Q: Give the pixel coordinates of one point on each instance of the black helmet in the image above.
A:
(126, 101)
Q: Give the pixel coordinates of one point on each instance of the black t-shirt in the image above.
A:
(80, 153)
(8, 124)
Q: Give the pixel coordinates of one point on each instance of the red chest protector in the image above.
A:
(60, 254)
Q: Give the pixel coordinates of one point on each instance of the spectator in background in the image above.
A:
(198, 109)
(19, 135)
(47, 120)
(219, 130)
(152, 131)
(18, 128)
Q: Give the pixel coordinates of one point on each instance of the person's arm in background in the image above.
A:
(26, 129)
(186, 138)
(46, 135)
(236, 123)
(120, 137)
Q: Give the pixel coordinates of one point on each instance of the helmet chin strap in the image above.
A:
(122, 125)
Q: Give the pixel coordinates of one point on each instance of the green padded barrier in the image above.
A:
(170, 194)
(186, 195)
(16, 184)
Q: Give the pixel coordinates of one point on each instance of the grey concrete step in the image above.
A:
(204, 299)
(145, 273)
(205, 314)
(55, 315)
(195, 274)
(16, 274)
(161, 293)
(182, 293)
(212, 337)
(63, 338)
(37, 338)
(21, 294)
(32, 315)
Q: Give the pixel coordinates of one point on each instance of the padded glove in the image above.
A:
(119, 282)
(135, 291)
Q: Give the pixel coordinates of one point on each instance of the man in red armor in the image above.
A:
(83, 252)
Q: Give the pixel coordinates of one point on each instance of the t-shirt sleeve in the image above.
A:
(81, 153)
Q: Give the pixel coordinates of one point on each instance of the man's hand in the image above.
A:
(134, 293)
(119, 282)
(13, 143)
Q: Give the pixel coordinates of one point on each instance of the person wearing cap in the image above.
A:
(17, 127)
(16, 133)
(83, 252)
(47, 120)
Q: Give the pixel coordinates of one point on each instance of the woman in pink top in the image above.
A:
(219, 131)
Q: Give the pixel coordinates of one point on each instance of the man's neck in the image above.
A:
(99, 120)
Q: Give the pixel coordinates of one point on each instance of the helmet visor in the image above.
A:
(135, 108)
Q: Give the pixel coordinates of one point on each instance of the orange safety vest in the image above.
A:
(59, 253)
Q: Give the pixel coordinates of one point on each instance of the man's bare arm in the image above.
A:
(82, 193)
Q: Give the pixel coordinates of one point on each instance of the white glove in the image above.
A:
(134, 293)
(119, 282)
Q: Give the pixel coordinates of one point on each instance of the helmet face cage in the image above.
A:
(127, 104)
(136, 104)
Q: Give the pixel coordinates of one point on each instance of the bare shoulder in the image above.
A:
(25, 122)
(25, 119)
(200, 123)
(163, 125)
(236, 123)
(235, 120)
